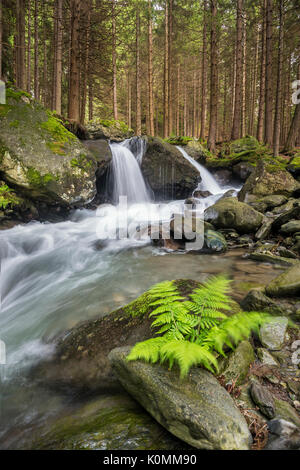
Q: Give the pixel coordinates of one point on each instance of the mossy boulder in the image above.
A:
(109, 129)
(105, 423)
(197, 410)
(272, 334)
(230, 213)
(257, 301)
(286, 284)
(168, 173)
(268, 179)
(40, 158)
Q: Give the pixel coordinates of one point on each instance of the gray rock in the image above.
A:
(272, 334)
(286, 284)
(223, 176)
(268, 257)
(236, 366)
(263, 399)
(243, 170)
(283, 435)
(283, 410)
(266, 358)
(197, 410)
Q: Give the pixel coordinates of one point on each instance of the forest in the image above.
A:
(149, 228)
(214, 70)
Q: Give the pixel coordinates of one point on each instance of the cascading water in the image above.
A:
(127, 176)
(208, 182)
(137, 146)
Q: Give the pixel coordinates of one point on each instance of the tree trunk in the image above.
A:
(29, 47)
(138, 76)
(236, 127)
(87, 14)
(269, 76)
(166, 72)
(279, 83)
(73, 107)
(295, 125)
(114, 61)
(57, 78)
(129, 100)
(204, 73)
(36, 50)
(1, 35)
(150, 71)
(20, 44)
(211, 143)
(261, 109)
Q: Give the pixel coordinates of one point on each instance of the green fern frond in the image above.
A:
(148, 351)
(186, 355)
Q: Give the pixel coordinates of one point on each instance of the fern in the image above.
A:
(192, 332)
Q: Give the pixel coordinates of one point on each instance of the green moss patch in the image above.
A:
(36, 179)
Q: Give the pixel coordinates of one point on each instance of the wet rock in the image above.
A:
(243, 170)
(197, 410)
(214, 242)
(236, 367)
(263, 399)
(202, 194)
(110, 130)
(286, 253)
(292, 226)
(283, 435)
(106, 423)
(168, 173)
(223, 176)
(257, 301)
(268, 203)
(265, 230)
(266, 357)
(268, 180)
(230, 213)
(286, 284)
(268, 257)
(229, 193)
(272, 334)
(287, 215)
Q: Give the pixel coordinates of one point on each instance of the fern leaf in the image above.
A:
(148, 351)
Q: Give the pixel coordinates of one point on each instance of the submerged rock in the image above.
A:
(40, 158)
(230, 213)
(286, 284)
(197, 410)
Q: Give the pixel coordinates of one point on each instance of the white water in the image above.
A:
(127, 176)
(137, 146)
(208, 182)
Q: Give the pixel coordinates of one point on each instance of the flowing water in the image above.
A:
(54, 275)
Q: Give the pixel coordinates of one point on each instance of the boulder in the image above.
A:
(268, 203)
(257, 301)
(230, 213)
(215, 242)
(292, 226)
(266, 357)
(243, 170)
(264, 231)
(116, 131)
(273, 333)
(114, 422)
(223, 176)
(284, 410)
(168, 173)
(286, 284)
(268, 180)
(268, 257)
(40, 158)
(201, 194)
(197, 410)
(236, 367)
(263, 398)
(283, 435)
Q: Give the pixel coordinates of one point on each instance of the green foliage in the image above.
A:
(111, 123)
(36, 179)
(7, 198)
(81, 162)
(178, 140)
(56, 129)
(193, 331)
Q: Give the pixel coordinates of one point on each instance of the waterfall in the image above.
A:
(137, 146)
(208, 182)
(127, 176)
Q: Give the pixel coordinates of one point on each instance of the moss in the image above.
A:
(36, 179)
(296, 161)
(56, 147)
(178, 140)
(16, 94)
(7, 197)
(14, 124)
(81, 162)
(4, 110)
(57, 131)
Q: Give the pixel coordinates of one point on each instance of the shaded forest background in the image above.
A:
(211, 69)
